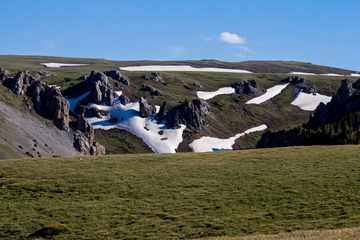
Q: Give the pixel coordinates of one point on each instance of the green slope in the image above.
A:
(172, 196)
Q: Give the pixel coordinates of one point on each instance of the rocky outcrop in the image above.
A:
(19, 83)
(4, 74)
(43, 75)
(157, 76)
(247, 87)
(189, 113)
(343, 103)
(152, 90)
(356, 84)
(283, 138)
(146, 77)
(49, 102)
(84, 139)
(296, 80)
(116, 75)
(146, 109)
(101, 89)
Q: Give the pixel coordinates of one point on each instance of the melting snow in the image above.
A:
(208, 95)
(210, 144)
(302, 73)
(156, 136)
(180, 68)
(309, 102)
(57, 65)
(270, 93)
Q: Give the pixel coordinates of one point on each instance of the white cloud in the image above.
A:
(231, 38)
(240, 55)
(245, 49)
(208, 39)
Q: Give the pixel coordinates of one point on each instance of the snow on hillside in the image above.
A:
(57, 65)
(208, 95)
(302, 73)
(180, 68)
(270, 93)
(309, 102)
(156, 136)
(210, 144)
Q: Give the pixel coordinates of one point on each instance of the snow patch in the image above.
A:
(210, 144)
(302, 73)
(57, 65)
(156, 136)
(355, 75)
(309, 102)
(208, 95)
(331, 74)
(180, 68)
(270, 93)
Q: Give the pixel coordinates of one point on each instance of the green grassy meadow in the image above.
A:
(183, 195)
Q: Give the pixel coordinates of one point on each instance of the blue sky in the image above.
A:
(316, 31)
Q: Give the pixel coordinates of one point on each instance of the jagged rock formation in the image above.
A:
(4, 74)
(124, 100)
(157, 76)
(101, 89)
(247, 87)
(84, 139)
(19, 83)
(41, 75)
(152, 90)
(356, 84)
(282, 138)
(146, 109)
(343, 103)
(189, 113)
(115, 74)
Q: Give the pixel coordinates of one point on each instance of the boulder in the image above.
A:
(189, 113)
(124, 100)
(152, 90)
(247, 87)
(19, 83)
(157, 76)
(41, 75)
(296, 80)
(101, 90)
(4, 74)
(97, 77)
(113, 120)
(146, 77)
(146, 109)
(89, 111)
(356, 84)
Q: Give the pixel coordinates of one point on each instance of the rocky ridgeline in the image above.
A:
(49, 103)
(343, 103)
(189, 113)
(247, 87)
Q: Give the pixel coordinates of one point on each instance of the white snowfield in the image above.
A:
(326, 74)
(209, 95)
(210, 144)
(57, 65)
(182, 68)
(270, 93)
(165, 141)
(302, 73)
(309, 102)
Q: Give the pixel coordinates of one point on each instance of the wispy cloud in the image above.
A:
(231, 38)
(245, 49)
(239, 55)
(208, 39)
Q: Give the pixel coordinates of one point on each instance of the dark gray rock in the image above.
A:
(116, 75)
(4, 74)
(146, 109)
(83, 77)
(198, 85)
(113, 120)
(88, 111)
(97, 77)
(157, 76)
(19, 83)
(146, 77)
(356, 84)
(189, 113)
(152, 90)
(124, 100)
(247, 87)
(42, 75)
(296, 80)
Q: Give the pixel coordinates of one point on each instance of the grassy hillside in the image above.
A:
(172, 196)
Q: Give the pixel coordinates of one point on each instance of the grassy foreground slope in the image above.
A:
(172, 196)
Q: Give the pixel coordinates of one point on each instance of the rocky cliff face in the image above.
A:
(19, 83)
(146, 109)
(247, 87)
(340, 105)
(4, 74)
(189, 113)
